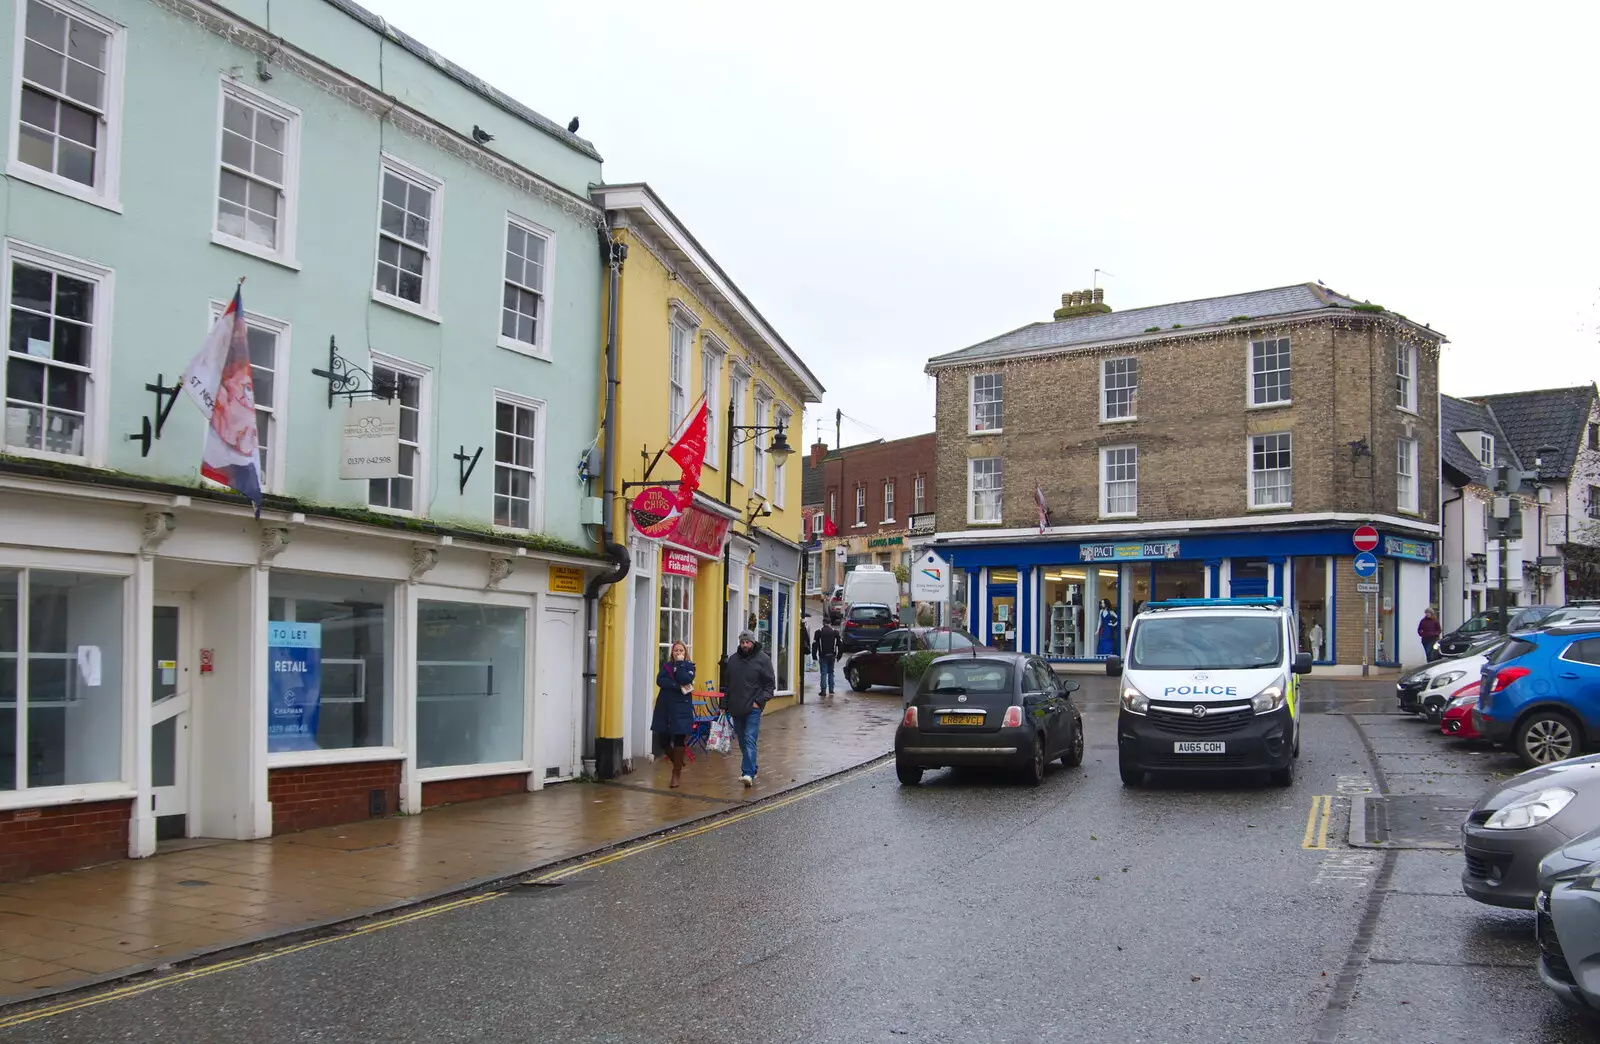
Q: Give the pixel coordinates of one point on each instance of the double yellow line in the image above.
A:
(1317, 822)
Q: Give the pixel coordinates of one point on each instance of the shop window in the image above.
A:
(1388, 645)
(330, 663)
(60, 705)
(1063, 590)
(1248, 578)
(1178, 580)
(471, 684)
(677, 614)
(1105, 611)
(1312, 621)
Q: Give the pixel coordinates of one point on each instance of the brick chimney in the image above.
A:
(819, 449)
(1082, 302)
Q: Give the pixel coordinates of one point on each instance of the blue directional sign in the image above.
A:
(1366, 563)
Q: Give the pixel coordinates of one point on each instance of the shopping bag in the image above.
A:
(721, 738)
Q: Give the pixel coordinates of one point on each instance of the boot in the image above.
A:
(676, 754)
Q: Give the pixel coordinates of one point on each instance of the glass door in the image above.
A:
(169, 717)
(1003, 609)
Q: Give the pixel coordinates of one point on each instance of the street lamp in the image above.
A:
(1545, 457)
(779, 449)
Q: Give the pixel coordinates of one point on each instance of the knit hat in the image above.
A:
(747, 636)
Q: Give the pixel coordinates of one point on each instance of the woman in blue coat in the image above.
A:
(674, 715)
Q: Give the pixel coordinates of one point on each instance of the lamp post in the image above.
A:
(779, 449)
(1545, 456)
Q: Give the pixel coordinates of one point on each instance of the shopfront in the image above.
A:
(771, 609)
(1071, 601)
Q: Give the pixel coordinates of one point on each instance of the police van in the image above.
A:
(1210, 684)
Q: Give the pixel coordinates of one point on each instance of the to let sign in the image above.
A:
(370, 445)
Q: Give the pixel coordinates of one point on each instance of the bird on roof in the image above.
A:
(481, 136)
(572, 128)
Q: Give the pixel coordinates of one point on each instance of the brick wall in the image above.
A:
(62, 837)
(450, 791)
(324, 795)
(901, 460)
(1193, 428)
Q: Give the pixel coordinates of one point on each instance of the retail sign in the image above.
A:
(370, 446)
(930, 579)
(565, 580)
(840, 554)
(655, 512)
(1365, 564)
(1365, 538)
(886, 541)
(701, 531)
(1145, 552)
(1415, 550)
(679, 562)
(294, 685)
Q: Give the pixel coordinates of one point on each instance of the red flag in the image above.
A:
(828, 528)
(689, 450)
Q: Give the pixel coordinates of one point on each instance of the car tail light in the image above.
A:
(910, 718)
(1013, 718)
(1506, 676)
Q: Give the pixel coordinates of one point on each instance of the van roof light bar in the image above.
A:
(1215, 603)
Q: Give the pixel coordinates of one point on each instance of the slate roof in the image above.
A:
(1461, 415)
(811, 480)
(1111, 327)
(1551, 417)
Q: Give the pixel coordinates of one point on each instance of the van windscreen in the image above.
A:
(1217, 643)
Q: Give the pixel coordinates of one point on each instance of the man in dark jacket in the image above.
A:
(747, 684)
(825, 646)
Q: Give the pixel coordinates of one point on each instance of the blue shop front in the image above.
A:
(1070, 600)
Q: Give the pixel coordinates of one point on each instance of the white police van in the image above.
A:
(1210, 684)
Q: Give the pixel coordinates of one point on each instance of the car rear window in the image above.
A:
(968, 676)
(1513, 648)
(870, 614)
(948, 641)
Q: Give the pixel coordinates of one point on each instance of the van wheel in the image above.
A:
(857, 682)
(1132, 774)
(1284, 777)
(1546, 737)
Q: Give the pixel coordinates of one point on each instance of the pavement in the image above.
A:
(64, 931)
(970, 908)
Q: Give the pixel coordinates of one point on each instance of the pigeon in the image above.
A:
(572, 128)
(480, 135)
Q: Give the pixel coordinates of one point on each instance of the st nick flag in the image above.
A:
(220, 382)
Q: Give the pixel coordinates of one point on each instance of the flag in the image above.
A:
(220, 382)
(1044, 512)
(828, 528)
(689, 450)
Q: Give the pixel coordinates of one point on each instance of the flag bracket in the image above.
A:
(166, 398)
(351, 381)
(466, 464)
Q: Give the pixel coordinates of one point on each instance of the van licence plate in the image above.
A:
(1199, 747)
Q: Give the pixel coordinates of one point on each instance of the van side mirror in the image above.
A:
(1302, 663)
(1114, 667)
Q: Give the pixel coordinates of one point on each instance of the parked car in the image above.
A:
(1457, 719)
(1518, 822)
(1540, 692)
(1567, 925)
(865, 625)
(833, 604)
(995, 709)
(880, 665)
(1427, 690)
(1456, 642)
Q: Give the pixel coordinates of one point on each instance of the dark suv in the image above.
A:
(1487, 624)
(865, 624)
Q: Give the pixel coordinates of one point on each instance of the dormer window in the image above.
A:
(1486, 450)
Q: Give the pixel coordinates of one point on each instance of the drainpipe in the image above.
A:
(604, 757)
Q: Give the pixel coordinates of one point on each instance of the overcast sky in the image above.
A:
(888, 182)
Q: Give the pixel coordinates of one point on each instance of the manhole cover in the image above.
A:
(1408, 821)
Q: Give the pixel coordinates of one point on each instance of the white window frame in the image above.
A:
(833, 506)
(972, 491)
(888, 500)
(98, 394)
(1250, 373)
(536, 506)
(818, 524)
(1252, 471)
(1105, 484)
(861, 504)
(288, 216)
(763, 474)
(419, 481)
(1406, 457)
(429, 308)
(738, 392)
(919, 497)
(1405, 376)
(685, 616)
(972, 404)
(712, 355)
(540, 349)
(780, 474)
(1486, 449)
(106, 191)
(680, 368)
(272, 480)
(1106, 390)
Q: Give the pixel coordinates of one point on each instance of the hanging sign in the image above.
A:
(294, 685)
(930, 579)
(701, 531)
(565, 580)
(1415, 550)
(655, 512)
(370, 445)
(678, 562)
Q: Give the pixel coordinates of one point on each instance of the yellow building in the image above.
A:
(684, 331)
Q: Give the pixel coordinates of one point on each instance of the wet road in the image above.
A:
(967, 909)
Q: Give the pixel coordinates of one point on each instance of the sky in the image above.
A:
(891, 181)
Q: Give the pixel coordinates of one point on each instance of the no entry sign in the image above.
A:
(1365, 538)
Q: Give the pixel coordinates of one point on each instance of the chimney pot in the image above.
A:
(819, 449)
(1077, 298)
(1066, 300)
(1099, 295)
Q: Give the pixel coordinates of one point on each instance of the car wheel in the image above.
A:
(1433, 709)
(1074, 754)
(857, 682)
(1284, 777)
(1546, 737)
(1132, 774)
(909, 775)
(1033, 775)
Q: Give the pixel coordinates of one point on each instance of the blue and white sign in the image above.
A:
(1366, 563)
(294, 685)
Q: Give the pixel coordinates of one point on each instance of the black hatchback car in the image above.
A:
(991, 709)
(865, 624)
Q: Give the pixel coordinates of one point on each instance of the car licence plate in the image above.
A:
(1199, 747)
(961, 719)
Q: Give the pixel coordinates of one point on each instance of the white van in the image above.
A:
(872, 584)
(1210, 684)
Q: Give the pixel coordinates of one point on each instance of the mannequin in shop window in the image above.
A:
(1105, 635)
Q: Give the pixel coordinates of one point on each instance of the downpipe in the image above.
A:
(603, 760)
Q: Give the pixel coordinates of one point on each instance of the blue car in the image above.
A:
(1540, 694)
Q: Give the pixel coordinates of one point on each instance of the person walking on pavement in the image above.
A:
(1428, 630)
(674, 713)
(747, 684)
(825, 647)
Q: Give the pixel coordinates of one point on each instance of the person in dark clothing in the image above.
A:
(1428, 630)
(748, 682)
(825, 647)
(674, 713)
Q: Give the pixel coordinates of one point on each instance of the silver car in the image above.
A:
(1568, 928)
(1518, 822)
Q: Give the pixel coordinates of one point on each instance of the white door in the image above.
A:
(642, 675)
(559, 698)
(171, 681)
